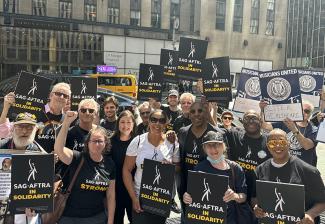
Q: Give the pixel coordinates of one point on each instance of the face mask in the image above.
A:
(216, 161)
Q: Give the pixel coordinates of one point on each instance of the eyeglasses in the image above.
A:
(307, 111)
(145, 113)
(188, 103)
(228, 118)
(84, 110)
(276, 142)
(99, 142)
(251, 119)
(58, 94)
(28, 127)
(198, 110)
(156, 120)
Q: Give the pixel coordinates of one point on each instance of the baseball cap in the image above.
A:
(173, 92)
(25, 118)
(212, 136)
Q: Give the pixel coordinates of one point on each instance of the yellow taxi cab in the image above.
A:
(125, 84)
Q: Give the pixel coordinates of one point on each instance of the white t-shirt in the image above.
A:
(165, 151)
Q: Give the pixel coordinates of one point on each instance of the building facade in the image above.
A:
(65, 35)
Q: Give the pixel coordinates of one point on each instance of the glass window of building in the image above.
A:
(90, 10)
(270, 17)
(39, 7)
(255, 14)
(135, 12)
(65, 9)
(10, 6)
(113, 13)
(156, 13)
(192, 15)
(238, 16)
(174, 13)
(221, 14)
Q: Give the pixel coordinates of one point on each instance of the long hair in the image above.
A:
(102, 131)
(125, 113)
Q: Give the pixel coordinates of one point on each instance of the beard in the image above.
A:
(21, 142)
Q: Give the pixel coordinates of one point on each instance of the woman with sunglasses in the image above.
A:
(95, 181)
(285, 168)
(151, 145)
(123, 135)
(216, 163)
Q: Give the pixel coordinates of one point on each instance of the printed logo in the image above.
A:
(294, 144)
(278, 89)
(33, 88)
(194, 147)
(151, 75)
(206, 191)
(170, 61)
(75, 145)
(157, 176)
(279, 201)
(32, 170)
(307, 83)
(83, 88)
(252, 87)
(277, 179)
(192, 51)
(249, 153)
(97, 176)
(215, 70)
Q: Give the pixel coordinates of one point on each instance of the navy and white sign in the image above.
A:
(283, 203)
(191, 54)
(157, 185)
(281, 90)
(311, 84)
(216, 79)
(31, 92)
(82, 88)
(150, 81)
(168, 58)
(32, 183)
(248, 91)
(207, 191)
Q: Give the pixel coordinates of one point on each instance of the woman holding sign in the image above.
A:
(95, 181)
(151, 145)
(215, 163)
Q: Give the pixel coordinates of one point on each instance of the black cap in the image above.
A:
(25, 118)
(213, 136)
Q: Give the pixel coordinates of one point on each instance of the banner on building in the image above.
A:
(283, 202)
(248, 91)
(207, 191)
(168, 59)
(281, 89)
(191, 54)
(150, 81)
(82, 88)
(5, 176)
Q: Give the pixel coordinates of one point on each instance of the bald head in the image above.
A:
(253, 112)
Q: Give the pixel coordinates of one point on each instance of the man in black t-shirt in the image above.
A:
(144, 110)
(172, 110)
(110, 106)
(186, 100)
(283, 167)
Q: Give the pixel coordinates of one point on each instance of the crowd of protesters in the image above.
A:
(186, 133)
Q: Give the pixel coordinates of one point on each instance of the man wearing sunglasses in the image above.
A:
(285, 168)
(144, 110)
(226, 118)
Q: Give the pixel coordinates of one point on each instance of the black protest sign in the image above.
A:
(282, 202)
(168, 59)
(82, 88)
(32, 183)
(191, 54)
(207, 191)
(156, 188)
(281, 90)
(248, 91)
(311, 84)
(150, 81)
(31, 92)
(216, 79)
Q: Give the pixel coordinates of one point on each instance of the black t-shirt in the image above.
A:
(89, 190)
(180, 122)
(141, 129)
(108, 125)
(7, 143)
(172, 115)
(240, 183)
(310, 131)
(248, 153)
(295, 171)
(76, 137)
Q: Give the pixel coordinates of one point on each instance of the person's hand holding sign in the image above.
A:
(230, 195)
(259, 212)
(306, 220)
(9, 99)
(291, 125)
(187, 199)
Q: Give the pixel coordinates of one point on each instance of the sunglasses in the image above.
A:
(156, 120)
(198, 110)
(307, 111)
(84, 110)
(228, 118)
(273, 143)
(251, 119)
(145, 113)
(65, 96)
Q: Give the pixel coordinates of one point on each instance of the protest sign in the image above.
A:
(248, 91)
(216, 79)
(191, 54)
(156, 188)
(31, 92)
(283, 202)
(5, 176)
(168, 59)
(207, 191)
(281, 90)
(32, 183)
(82, 88)
(320, 137)
(150, 81)
(311, 84)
